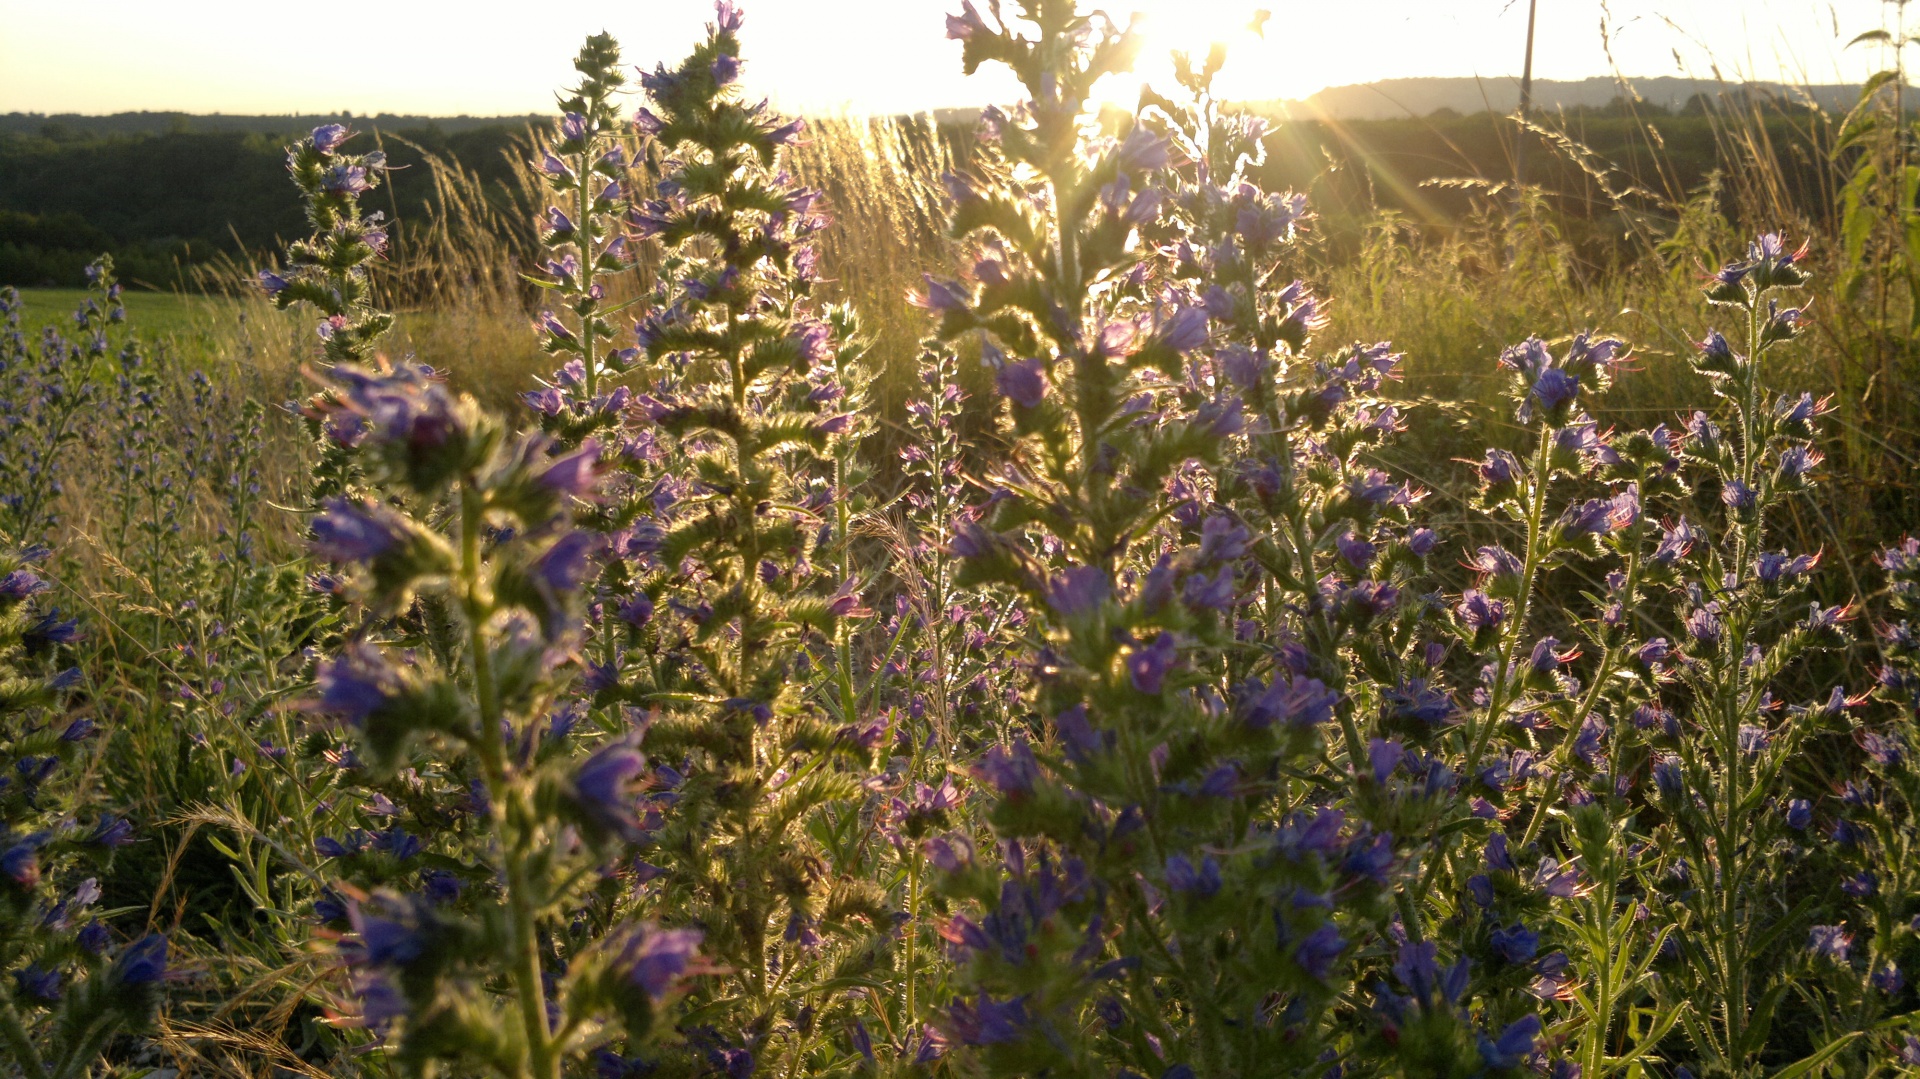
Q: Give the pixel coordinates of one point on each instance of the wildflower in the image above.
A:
(1202, 881)
(653, 959)
(1830, 941)
(357, 683)
(1024, 382)
(1011, 770)
(1514, 1045)
(603, 790)
(1516, 945)
(1299, 702)
(1185, 330)
(143, 962)
(328, 137)
(987, 1021)
(1318, 950)
(1148, 666)
(1078, 591)
(1477, 611)
(1799, 814)
(37, 983)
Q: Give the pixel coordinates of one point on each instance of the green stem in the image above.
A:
(509, 815)
(1501, 697)
(583, 226)
(14, 1033)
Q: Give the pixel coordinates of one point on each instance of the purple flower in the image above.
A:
(1831, 941)
(1011, 770)
(1422, 541)
(573, 127)
(1301, 702)
(1147, 667)
(637, 611)
(1202, 881)
(1500, 469)
(603, 789)
(1737, 495)
(1318, 950)
(357, 683)
(1383, 757)
(1478, 611)
(1516, 945)
(1496, 562)
(1078, 591)
(1497, 857)
(653, 959)
(1215, 594)
(1416, 701)
(1024, 382)
(561, 567)
(21, 583)
(1185, 330)
(350, 531)
(1357, 551)
(727, 17)
(112, 832)
(1772, 567)
(987, 1021)
(1222, 539)
(143, 962)
(1799, 814)
(1553, 389)
(328, 137)
(1514, 1045)
(345, 179)
(945, 297)
(967, 24)
(37, 983)
(724, 69)
(574, 474)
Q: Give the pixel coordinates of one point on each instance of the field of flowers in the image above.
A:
(1134, 701)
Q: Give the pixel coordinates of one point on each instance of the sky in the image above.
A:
(501, 57)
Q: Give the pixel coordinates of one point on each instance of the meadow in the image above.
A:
(1086, 594)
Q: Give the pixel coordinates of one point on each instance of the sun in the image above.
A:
(1258, 68)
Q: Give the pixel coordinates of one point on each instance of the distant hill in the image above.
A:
(180, 123)
(1401, 98)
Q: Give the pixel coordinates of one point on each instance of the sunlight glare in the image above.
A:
(1255, 68)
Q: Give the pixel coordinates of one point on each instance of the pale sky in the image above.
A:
(493, 57)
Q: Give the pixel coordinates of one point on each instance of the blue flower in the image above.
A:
(143, 962)
(1202, 881)
(1478, 611)
(1147, 667)
(38, 984)
(1185, 330)
(1210, 594)
(112, 832)
(328, 137)
(1318, 950)
(1516, 945)
(1514, 1045)
(1831, 941)
(1078, 591)
(350, 531)
(357, 683)
(1298, 702)
(987, 1021)
(653, 959)
(1011, 770)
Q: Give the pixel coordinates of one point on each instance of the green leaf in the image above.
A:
(1817, 1059)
